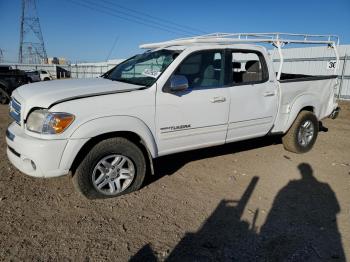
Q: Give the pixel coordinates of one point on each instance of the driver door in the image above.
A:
(198, 116)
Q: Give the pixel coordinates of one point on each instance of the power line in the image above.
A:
(114, 44)
(144, 18)
(158, 19)
(109, 11)
(105, 10)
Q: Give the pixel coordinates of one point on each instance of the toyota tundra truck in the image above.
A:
(178, 95)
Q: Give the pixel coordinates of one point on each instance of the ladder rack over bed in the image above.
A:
(278, 40)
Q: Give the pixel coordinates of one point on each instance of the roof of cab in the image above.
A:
(195, 47)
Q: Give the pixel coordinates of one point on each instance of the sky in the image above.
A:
(95, 30)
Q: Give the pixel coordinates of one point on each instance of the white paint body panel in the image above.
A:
(319, 94)
(206, 121)
(245, 112)
(253, 107)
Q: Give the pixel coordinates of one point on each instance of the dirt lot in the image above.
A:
(243, 201)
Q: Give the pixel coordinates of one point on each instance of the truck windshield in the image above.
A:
(143, 69)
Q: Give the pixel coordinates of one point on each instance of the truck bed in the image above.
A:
(287, 77)
(299, 91)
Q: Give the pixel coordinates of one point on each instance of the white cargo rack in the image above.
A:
(278, 40)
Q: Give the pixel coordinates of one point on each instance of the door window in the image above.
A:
(248, 68)
(203, 69)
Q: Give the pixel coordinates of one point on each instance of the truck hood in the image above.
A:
(47, 93)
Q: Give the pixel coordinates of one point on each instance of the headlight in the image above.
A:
(45, 122)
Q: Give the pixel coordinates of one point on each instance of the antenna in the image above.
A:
(31, 46)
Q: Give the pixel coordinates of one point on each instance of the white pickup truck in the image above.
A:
(179, 95)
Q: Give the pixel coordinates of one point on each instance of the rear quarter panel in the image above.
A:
(296, 95)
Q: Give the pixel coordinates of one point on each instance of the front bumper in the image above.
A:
(33, 156)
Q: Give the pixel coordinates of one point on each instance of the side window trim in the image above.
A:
(264, 67)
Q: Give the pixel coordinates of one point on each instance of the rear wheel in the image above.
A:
(302, 135)
(112, 168)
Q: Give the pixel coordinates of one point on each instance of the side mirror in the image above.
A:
(178, 83)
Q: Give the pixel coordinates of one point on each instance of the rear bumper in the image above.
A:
(335, 113)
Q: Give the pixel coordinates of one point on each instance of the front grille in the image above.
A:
(15, 110)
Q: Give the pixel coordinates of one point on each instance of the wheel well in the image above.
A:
(131, 136)
(308, 108)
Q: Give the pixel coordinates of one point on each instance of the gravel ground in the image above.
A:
(247, 201)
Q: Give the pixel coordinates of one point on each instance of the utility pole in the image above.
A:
(31, 46)
(1, 55)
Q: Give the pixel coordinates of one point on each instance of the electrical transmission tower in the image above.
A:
(31, 46)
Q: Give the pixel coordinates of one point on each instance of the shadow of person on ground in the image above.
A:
(223, 235)
(302, 223)
(301, 226)
(144, 254)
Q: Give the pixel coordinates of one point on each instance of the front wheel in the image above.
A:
(302, 135)
(112, 168)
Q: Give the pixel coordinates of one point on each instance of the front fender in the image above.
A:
(99, 126)
(104, 125)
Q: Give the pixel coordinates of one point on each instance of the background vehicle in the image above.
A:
(10, 79)
(44, 75)
(33, 76)
(179, 95)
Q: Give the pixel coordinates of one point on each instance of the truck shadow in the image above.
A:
(170, 164)
(301, 226)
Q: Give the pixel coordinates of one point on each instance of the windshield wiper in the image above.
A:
(123, 80)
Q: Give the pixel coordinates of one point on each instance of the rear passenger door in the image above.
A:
(253, 97)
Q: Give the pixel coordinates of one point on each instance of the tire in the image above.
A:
(47, 79)
(302, 135)
(99, 163)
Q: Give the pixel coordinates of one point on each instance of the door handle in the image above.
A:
(269, 93)
(218, 99)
